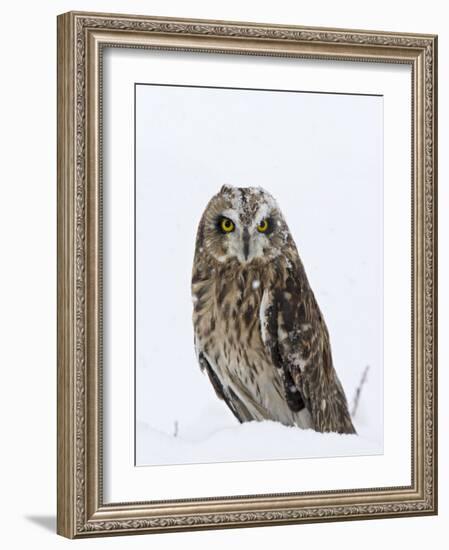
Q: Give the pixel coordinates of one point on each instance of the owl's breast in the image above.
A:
(226, 315)
(228, 332)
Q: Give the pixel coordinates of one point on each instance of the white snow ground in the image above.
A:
(216, 437)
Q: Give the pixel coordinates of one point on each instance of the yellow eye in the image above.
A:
(227, 225)
(263, 226)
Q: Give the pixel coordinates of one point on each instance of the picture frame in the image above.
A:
(82, 472)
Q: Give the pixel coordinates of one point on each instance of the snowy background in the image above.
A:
(320, 155)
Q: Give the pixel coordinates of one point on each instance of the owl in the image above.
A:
(259, 333)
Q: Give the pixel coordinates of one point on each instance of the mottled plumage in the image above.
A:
(259, 333)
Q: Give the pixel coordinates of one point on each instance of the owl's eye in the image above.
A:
(263, 226)
(227, 225)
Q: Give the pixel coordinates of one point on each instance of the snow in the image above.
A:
(255, 284)
(217, 436)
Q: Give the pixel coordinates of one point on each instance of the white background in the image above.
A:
(321, 157)
(28, 275)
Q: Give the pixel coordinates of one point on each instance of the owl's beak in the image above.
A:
(245, 239)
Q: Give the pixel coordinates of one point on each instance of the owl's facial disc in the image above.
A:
(245, 240)
(243, 224)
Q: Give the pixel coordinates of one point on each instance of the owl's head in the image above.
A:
(244, 224)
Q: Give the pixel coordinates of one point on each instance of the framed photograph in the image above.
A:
(247, 248)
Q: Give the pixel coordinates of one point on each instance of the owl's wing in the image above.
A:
(296, 336)
(236, 405)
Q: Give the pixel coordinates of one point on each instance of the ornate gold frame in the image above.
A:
(81, 37)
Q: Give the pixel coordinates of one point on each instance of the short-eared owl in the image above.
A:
(259, 333)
